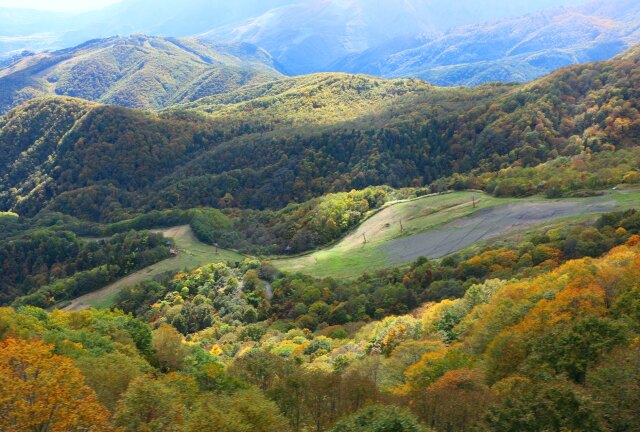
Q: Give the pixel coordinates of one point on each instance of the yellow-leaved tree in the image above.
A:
(44, 392)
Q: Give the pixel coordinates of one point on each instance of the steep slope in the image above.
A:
(519, 49)
(269, 145)
(136, 71)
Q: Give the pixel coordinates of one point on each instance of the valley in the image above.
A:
(401, 232)
(210, 225)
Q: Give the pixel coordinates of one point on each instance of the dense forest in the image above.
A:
(267, 146)
(46, 266)
(553, 348)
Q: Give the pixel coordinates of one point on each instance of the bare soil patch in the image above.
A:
(483, 225)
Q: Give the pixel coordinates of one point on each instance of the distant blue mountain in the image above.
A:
(461, 42)
(310, 35)
(519, 49)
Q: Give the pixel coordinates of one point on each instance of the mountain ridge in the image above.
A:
(382, 37)
(517, 49)
(266, 146)
(137, 71)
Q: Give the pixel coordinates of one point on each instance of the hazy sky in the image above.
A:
(58, 5)
(83, 5)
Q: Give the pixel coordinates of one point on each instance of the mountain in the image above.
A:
(447, 43)
(519, 49)
(136, 71)
(32, 30)
(309, 36)
(305, 36)
(266, 146)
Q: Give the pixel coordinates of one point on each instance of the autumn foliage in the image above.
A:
(42, 391)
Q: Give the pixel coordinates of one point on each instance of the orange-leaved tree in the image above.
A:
(44, 392)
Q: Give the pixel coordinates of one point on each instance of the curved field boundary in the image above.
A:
(485, 225)
(435, 227)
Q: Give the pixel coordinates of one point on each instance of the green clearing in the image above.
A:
(352, 256)
(193, 254)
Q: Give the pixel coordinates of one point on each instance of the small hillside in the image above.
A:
(136, 71)
(442, 225)
(318, 99)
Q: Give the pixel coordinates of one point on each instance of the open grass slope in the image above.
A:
(193, 254)
(136, 71)
(432, 226)
(437, 226)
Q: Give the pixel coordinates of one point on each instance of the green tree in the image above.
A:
(168, 348)
(556, 406)
(573, 350)
(380, 418)
(109, 375)
(615, 383)
(157, 405)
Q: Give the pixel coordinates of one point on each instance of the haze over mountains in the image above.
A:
(448, 43)
(517, 49)
(309, 36)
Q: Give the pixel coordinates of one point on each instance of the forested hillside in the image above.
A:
(136, 71)
(266, 146)
(536, 329)
(552, 347)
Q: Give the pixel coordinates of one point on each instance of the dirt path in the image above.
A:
(268, 289)
(485, 224)
(108, 293)
(193, 254)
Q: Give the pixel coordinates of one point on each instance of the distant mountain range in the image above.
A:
(309, 36)
(519, 49)
(465, 42)
(137, 71)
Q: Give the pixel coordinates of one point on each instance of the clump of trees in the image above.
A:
(557, 348)
(44, 266)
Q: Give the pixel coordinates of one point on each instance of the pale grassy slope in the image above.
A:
(437, 226)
